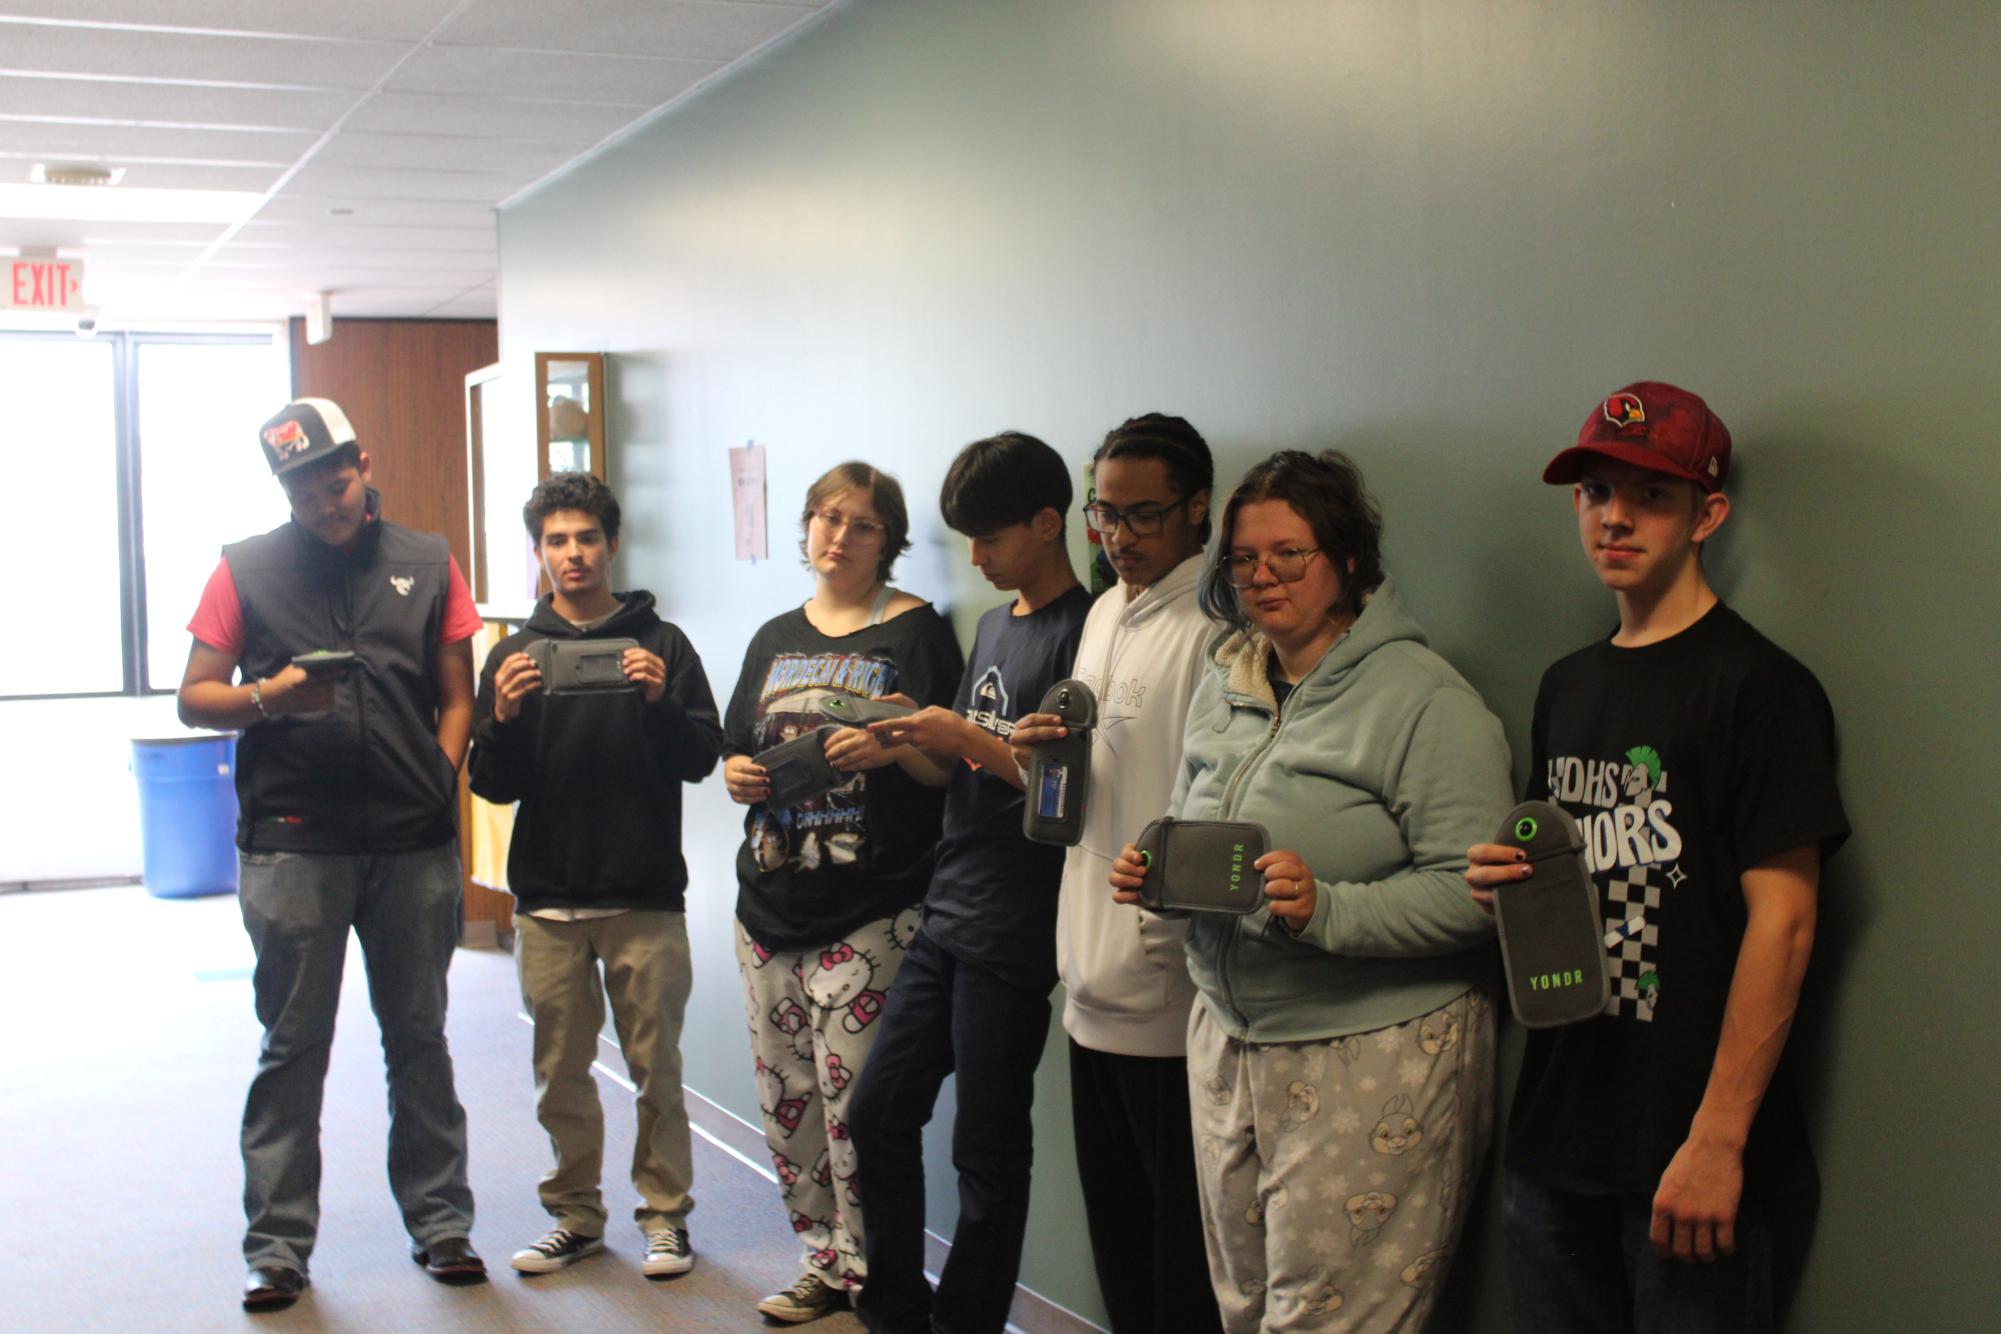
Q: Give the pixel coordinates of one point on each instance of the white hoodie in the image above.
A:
(1124, 971)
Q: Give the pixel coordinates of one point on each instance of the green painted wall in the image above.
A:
(1432, 234)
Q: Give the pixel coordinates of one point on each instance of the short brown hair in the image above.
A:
(885, 493)
(1326, 490)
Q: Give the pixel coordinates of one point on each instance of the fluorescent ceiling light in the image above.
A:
(91, 203)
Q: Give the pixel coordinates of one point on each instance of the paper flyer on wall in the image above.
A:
(747, 497)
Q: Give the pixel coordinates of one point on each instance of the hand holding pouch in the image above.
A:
(1203, 865)
(1552, 946)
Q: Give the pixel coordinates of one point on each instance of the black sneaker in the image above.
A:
(559, 1248)
(667, 1253)
(808, 1299)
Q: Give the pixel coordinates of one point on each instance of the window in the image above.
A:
(58, 419)
(143, 446)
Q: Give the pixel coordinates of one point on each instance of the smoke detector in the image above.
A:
(74, 173)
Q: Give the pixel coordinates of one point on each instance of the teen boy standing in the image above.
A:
(1647, 1145)
(597, 872)
(347, 789)
(972, 997)
(1127, 992)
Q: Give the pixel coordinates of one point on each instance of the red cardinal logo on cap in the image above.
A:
(1624, 410)
(286, 438)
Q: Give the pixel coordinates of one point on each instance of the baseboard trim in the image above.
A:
(1031, 1312)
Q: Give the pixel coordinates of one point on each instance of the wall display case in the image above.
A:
(569, 417)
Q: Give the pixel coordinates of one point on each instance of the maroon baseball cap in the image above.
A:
(1655, 426)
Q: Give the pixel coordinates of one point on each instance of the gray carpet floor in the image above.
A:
(129, 1041)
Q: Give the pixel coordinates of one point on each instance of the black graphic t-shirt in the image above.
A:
(1685, 763)
(812, 873)
(993, 896)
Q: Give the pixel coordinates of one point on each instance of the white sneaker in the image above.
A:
(808, 1299)
(667, 1253)
(560, 1248)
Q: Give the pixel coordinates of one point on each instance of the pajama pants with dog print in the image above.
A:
(812, 1021)
(1334, 1174)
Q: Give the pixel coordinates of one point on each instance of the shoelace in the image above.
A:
(806, 1291)
(555, 1242)
(669, 1241)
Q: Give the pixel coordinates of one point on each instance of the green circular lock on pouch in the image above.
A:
(1525, 828)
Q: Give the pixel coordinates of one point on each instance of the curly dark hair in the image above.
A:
(1327, 491)
(885, 494)
(1178, 445)
(571, 491)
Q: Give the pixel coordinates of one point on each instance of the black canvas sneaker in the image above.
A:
(560, 1248)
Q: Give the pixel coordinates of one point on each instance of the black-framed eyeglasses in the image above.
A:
(1143, 520)
(1287, 566)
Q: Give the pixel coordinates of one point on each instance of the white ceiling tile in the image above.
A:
(345, 278)
(391, 302)
(485, 306)
(388, 19)
(581, 124)
(464, 69)
(265, 61)
(67, 232)
(334, 238)
(101, 258)
(115, 144)
(433, 152)
(704, 30)
(294, 205)
(340, 184)
(481, 263)
(179, 104)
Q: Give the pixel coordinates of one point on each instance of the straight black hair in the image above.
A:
(1001, 481)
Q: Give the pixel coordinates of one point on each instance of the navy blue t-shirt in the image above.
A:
(993, 894)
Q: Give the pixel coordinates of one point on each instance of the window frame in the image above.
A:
(128, 462)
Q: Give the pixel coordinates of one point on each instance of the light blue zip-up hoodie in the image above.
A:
(1380, 771)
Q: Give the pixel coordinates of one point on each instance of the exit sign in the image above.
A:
(43, 284)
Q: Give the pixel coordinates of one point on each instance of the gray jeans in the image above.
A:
(298, 908)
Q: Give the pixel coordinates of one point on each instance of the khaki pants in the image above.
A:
(644, 954)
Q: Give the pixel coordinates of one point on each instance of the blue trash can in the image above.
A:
(187, 813)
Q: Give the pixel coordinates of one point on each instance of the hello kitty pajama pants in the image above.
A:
(1334, 1174)
(812, 1021)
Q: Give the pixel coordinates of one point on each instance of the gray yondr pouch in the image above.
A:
(1552, 946)
(855, 711)
(1203, 865)
(798, 769)
(581, 666)
(1059, 771)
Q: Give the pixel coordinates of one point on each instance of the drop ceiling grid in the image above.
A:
(393, 209)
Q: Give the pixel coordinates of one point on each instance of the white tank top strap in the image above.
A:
(881, 605)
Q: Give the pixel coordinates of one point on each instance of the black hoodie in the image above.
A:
(598, 776)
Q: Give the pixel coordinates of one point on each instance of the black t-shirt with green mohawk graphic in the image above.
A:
(1685, 763)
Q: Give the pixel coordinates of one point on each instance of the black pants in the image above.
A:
(947, 1017)
(1136, 1163)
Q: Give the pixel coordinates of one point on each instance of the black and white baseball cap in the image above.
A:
(308, 429)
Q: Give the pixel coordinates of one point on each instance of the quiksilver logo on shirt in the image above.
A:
(402, 583)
